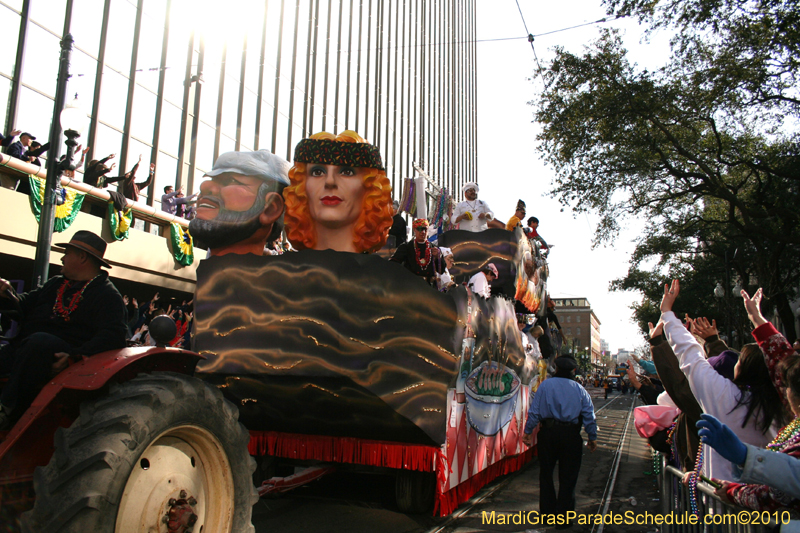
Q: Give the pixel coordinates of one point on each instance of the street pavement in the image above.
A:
(365, 503)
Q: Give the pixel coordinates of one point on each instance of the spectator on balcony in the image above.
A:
(36, 149)
(185, 206)
(131, 189)
(96, 171)
(74, 315)
(19, 149)
(5, 140)
(171, 199)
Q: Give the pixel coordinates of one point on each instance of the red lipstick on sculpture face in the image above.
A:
(331, 200)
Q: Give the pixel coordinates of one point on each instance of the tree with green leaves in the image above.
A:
(705, 148)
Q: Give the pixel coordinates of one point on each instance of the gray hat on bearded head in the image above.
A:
(260, 164)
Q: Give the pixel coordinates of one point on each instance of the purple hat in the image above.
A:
(491, 268)
(724, 363)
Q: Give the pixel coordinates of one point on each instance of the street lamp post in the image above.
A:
(736, 293)
(73, 120)
(719, 294)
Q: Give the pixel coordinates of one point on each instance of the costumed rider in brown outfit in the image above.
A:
(74, 315)
(418, 255)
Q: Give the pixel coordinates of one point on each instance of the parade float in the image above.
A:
(321, 358)
(349, 358)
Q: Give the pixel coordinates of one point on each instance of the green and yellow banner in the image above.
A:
(182, 244)
(120, 222)
(68, 203)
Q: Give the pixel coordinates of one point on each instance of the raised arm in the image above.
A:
(672, 377)
(146, 183)
(710, 388)
(710, 334)
(774, 345)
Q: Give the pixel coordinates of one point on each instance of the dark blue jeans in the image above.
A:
(28, 362)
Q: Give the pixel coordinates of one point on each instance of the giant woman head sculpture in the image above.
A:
(339, 197)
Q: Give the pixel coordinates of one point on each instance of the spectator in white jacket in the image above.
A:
(750, 404)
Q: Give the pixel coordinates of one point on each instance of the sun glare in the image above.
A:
(218, 26)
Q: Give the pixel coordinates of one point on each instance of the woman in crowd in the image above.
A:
(746, 460)
(339, 197)
(750, 404)
(766, 492)
(676, 392)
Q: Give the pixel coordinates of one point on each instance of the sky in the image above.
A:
(505, 126)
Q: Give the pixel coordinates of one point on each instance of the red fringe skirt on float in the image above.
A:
(388, 455)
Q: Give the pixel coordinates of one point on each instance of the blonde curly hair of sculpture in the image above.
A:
(372, 227)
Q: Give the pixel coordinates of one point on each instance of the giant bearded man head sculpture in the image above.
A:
(339, 197)
(241, 207)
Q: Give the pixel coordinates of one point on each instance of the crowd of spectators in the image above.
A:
(26, 148)
(139, 316)
(745, 404)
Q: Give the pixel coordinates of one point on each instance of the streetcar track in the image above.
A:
(608, 492)
(487, 492)
(612, 411)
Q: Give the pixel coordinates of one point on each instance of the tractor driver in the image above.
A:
(74, 315)
(240, 208)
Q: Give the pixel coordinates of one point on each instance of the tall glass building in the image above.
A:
(181, 81)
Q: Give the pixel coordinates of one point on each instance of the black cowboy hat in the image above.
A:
(89, 243)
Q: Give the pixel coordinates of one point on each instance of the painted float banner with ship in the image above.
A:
(349, 358)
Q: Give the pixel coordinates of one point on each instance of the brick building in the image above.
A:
(580, 326)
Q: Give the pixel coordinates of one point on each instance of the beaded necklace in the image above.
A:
(789, 435)
(656, 463)
(673, 447)
(693, 478)
(58, 306)
(423, 261)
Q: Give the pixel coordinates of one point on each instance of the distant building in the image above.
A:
(581, 327)
(622, 356)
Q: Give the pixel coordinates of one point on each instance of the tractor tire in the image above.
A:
(414, 491)
(160, 448)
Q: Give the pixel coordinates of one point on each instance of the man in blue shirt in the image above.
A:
(562, 406)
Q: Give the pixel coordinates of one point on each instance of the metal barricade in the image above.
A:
(715, 515)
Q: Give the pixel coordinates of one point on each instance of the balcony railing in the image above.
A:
(14, 169)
